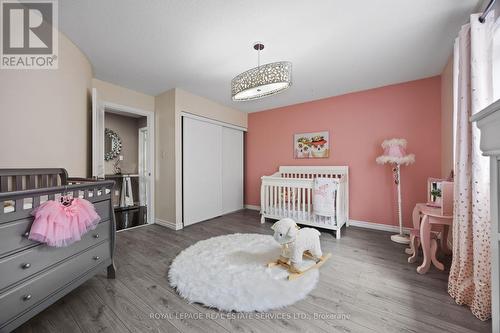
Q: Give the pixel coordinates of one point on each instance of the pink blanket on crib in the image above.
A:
(324, 192)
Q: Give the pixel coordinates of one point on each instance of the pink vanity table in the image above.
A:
(426, 217)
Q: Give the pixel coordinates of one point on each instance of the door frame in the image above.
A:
(150, 116)
(140, 166)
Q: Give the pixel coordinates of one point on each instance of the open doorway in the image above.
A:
(123, 151)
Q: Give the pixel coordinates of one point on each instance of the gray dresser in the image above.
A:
(33, 275)
(488, 121)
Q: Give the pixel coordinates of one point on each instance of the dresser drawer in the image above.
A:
(23, 264)
(21, 298)
(13, 238)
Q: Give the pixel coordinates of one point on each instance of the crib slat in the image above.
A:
(267, 199)
(270, 201)
(45, 181)
(280, 200)
(31, 182)
(19, 183)
(283, 201)
(293, 201)
(280, 191)
(273, 199)
(53, 180)
(4, 180)
(299, 202)
(276, 200)
(288, 199)
(308, 203)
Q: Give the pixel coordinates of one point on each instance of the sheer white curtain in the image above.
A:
(470, 277)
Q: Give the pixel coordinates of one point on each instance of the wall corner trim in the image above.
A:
(377, 226)
(252, 207)
(168, 224)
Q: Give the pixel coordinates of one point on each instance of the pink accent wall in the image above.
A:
(358, 123)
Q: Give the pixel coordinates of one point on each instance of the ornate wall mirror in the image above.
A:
(112, 145)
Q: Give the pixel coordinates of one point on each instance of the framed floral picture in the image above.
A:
(311, 145)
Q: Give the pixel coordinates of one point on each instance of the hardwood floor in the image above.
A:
(367, 286)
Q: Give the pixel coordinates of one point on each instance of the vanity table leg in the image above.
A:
(414, 243)
(425, 239)
(416, 225)
(434, 259)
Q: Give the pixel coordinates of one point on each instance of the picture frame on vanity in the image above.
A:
(434, 192)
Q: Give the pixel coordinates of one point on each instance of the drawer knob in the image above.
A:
(26, 265)
(27, 297)
(26, 234)
(97, 258)
(96, 236)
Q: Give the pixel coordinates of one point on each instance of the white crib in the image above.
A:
(288, 193)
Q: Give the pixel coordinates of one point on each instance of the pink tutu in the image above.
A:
(58, 225)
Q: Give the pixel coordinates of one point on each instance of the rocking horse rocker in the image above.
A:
(295, 244)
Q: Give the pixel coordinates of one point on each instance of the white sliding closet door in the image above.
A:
(202, 165)
(232, 170)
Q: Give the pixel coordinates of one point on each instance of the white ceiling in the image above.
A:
(336, 46)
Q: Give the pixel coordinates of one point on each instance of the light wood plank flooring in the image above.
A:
(367, 286)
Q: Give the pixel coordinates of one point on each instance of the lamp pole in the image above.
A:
(401, 237)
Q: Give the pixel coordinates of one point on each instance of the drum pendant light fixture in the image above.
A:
(263, 80)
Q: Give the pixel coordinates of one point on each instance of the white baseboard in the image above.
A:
(377, 226)
(168, 224)
(360, 224)
(252, 207)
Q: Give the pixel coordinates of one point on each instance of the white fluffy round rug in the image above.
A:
(230, 273)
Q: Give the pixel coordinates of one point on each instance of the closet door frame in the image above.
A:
(208, 120)
(212, 121)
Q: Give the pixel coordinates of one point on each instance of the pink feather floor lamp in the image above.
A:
(395, 153)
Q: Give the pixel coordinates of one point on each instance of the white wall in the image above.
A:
(45, 114)
(165, 157)
(447, 119)
(115, 94)
(187, 102)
